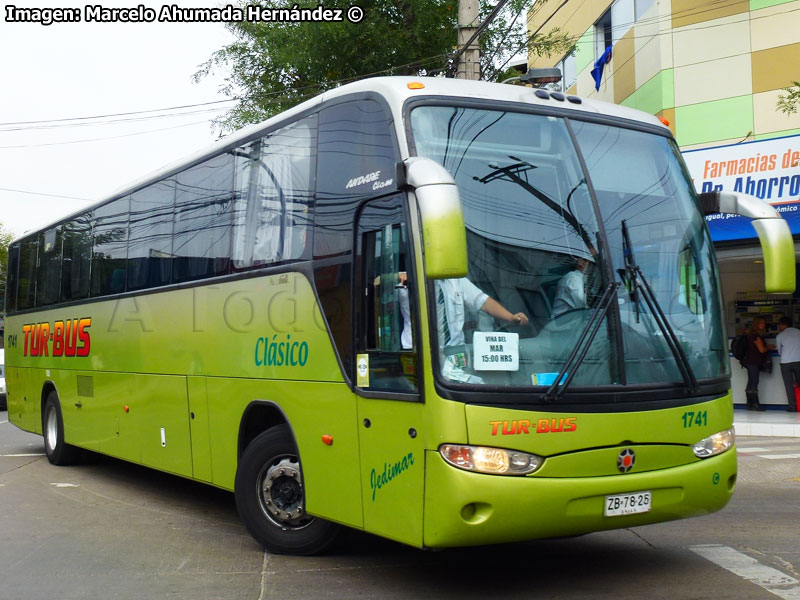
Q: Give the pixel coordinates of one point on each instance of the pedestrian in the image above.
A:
(789, 348)
(757, 353)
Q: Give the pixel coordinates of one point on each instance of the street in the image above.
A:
(108, 529)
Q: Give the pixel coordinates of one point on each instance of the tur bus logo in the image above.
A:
(69, 337)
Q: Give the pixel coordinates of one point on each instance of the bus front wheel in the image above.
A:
(57, 450)
(270, 497)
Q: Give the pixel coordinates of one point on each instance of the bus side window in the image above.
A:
(26, 290)
(274, 176)
(385, 327)
(110, 247)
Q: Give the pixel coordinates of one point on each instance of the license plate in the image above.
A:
(627, 504)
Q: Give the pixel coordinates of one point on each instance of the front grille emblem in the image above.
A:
(626, 460)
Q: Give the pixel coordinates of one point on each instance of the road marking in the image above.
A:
(264, 565)
(746, 449)
(748, 568)
(1, 422)
(16, 455)
(65, 485)
(772, 456)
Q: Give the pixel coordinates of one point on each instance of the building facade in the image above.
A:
(713, 68)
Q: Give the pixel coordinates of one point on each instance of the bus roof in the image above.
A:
(396, 91)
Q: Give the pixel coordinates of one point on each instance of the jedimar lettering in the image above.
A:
(69, 337)
(551, 425)
(390, 472)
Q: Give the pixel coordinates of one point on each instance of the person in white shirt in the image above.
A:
(570, 291)
(453, 296)
(788, 342)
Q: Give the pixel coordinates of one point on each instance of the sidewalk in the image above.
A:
(771, 423)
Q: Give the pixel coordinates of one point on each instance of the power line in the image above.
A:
(43, 194)
(112, 121)
(138, 112)
(111, 137)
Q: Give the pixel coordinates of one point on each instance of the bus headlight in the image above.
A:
(715, 444)
(495, 461)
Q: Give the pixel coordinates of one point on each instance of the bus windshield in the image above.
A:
(589, 230)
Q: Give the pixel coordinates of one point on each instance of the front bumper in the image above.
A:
(466, 509)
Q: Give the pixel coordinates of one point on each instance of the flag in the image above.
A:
(597, 72)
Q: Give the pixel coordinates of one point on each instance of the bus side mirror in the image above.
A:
(444, 236)
(773, 233)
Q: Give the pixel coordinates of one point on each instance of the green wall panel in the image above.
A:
(777, 134)
(655, 95)
(756, 4)
(712, 121)
(584, 50)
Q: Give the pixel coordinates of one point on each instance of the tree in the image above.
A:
(788, 103)
(277, 64)
(5, 240)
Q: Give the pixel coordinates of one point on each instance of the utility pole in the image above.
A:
(469, 64)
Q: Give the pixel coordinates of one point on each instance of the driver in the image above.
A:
(452, 296)
(570, 291)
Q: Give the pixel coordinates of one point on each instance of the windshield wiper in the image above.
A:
(636, 279)
(556, 390)
(514, 172)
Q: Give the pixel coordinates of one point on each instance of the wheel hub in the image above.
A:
(282, 498)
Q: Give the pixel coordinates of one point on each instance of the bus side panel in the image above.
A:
(23, 402)
(162, 428)
(140, 418)
(393, 468)
(313, 409)
(199, 428)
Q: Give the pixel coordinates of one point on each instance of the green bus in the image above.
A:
(444, 312)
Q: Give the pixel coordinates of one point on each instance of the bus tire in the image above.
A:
(57, 450)
(270, 497)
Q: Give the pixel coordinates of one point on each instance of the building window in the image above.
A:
(569, 72)
(640, 7)
(602, 34)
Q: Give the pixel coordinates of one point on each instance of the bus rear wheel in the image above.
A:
(57, 450)
(270, 497)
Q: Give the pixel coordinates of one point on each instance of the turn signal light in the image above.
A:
(416, 85)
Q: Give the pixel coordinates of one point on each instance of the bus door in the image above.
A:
(386, 378)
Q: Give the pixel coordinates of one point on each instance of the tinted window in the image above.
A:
(77, 257)
(274, 178)
(11, 278)
(386, 331)
(150, 230)
(26, 291)
(202, 239)
(357, 160)
(109, 248)
(357, 156)
(48, 270)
